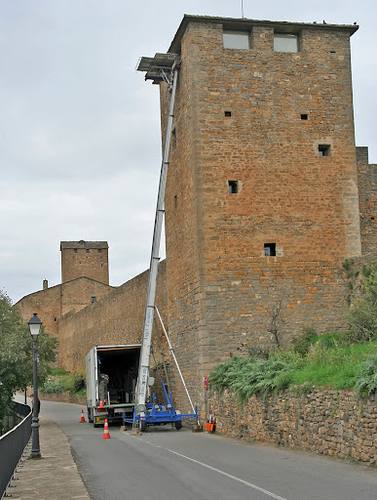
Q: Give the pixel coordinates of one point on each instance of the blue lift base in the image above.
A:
(160, 414)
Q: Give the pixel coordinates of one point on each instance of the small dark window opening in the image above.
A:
(54, 319)
(304, 116)
(93, 299)
(324, 150)
(99, 250)
(233, 187)
(372, 218)
(87, 250)
(227, 113)
(75, 250)
(270, 249)
(175, 201)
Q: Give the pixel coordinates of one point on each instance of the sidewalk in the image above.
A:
(54, 476)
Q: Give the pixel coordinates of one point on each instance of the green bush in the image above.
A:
(362, 318)
(366, 382)
(52, 387)
(302, 344)
(248, 376)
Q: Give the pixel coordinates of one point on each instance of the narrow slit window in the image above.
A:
(324, 150)
(228, 114)
(233, 187)
(236, 40)
(270, 249)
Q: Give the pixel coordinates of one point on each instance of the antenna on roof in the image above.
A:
(242, 10)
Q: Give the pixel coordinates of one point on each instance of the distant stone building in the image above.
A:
(85, 279)
(267, 197)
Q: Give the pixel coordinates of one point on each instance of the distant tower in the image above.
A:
(85, 258)
(262, 196)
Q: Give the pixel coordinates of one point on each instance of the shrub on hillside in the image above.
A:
(366, 382)
(362, 318)
(301, 344)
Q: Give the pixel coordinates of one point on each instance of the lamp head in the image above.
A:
(34, 326)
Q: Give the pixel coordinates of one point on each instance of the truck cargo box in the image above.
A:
(111, 373)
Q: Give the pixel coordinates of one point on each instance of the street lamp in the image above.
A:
(35, 327)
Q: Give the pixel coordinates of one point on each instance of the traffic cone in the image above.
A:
(82, 417)
(106, 434)
(100, 404)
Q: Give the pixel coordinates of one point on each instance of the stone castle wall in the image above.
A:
(239, 118)
(116, 319)
(333, 423)
(85, 258)
(54, 302)
(367, 184)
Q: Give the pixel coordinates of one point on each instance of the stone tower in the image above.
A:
(262, 198)
(85, 258)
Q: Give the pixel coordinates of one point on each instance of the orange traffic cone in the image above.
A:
(106, 434)
(100, 404)
(82, 417)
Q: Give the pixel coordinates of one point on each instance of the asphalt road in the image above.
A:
(165, 464)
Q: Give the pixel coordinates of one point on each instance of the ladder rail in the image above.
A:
(143, 374)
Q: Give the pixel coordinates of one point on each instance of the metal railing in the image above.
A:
(12, 445)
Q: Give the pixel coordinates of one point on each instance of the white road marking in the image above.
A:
(230, 476)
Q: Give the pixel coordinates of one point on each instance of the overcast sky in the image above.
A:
(80, 146)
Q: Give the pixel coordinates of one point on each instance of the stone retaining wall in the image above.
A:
(334, 423)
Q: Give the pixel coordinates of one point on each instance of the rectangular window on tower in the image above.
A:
(284, 42)
(236, 39)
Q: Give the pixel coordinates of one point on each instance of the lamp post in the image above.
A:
(35, 327)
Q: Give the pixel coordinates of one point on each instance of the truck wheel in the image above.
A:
(178, 424)
(142, 425)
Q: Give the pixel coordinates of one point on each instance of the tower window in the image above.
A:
(93, 299)
(236, 40)
(227, 113)
(233, 187)
(285, 43)
(270, 249)
(99, 250)
(304, 116)
(324, 150)
(75, 250)
(87, 250)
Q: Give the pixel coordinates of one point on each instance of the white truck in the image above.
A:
(111, 375)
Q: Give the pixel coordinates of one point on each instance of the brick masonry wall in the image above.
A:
(54, 302)
(116, 319)
(90, 262)
(221, 286)
(330, 422)
(367, 183)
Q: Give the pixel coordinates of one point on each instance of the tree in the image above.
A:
(16, 364)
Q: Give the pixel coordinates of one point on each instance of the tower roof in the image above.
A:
(83, 244)
(242, 23)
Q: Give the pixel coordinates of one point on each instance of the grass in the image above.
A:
(335, 367)
(325, 361)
